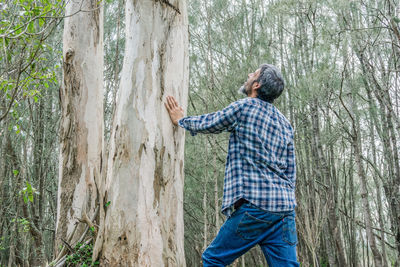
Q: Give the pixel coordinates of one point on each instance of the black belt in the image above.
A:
(239, 203)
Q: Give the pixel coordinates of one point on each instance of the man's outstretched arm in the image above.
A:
(215, 122)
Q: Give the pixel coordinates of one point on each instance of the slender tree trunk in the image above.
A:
(143, 223)
(16, 256)
(205, 223)
(356, 142)
(353, 237)
(3, 170)
(372, 119)
(215, 177)
(327, 175)
(388, 135)
(35, 208)
(205, 188)
(81, 131)
(13, 255)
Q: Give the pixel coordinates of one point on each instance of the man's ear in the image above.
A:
(256, 85)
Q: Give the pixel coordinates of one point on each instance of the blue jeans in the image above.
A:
(248, 226)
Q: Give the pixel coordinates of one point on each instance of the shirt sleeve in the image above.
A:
(216, 122)
(291, 162)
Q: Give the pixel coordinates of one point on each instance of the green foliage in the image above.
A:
(22, 223)
(2, 244)
(24, 28)
(23, 17)
(324, 262)
(27, 192)
(82, 256)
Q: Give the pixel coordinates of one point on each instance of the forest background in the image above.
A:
(341, 64)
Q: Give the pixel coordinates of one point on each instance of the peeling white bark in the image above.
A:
(144, 223)
(81, 131)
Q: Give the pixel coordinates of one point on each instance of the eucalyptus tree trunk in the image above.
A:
(143, 220)
(81, 129)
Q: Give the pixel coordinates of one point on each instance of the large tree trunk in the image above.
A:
(81, 131)
(143, 224)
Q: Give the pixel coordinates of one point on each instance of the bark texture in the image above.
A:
(81, 130)
(143, 224)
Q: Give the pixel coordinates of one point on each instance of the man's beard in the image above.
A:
(242, 90)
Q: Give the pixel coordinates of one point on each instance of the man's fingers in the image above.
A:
(167, 106)
(175, 102)
(170, 102)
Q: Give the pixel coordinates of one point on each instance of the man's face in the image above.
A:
(247, 87)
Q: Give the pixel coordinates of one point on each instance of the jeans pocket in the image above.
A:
(289, 230)
(251, 227)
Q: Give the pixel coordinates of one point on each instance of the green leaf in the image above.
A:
(396, 19)
(31, 27)
(29, 191)
(108, 203)
(47, 8)
(14, 113)
(25, 199)
(15, 172)
(36, 11)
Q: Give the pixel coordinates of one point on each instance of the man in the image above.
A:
(260, 172)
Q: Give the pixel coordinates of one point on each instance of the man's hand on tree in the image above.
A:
(174, 110)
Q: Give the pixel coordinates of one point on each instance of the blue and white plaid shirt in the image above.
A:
(260, 166)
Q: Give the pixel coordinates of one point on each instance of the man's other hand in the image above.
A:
(174, 110)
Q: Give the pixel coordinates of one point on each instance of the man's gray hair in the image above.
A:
(271, 82)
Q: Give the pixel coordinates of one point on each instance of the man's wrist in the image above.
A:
(179, 122)
(176, 121)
